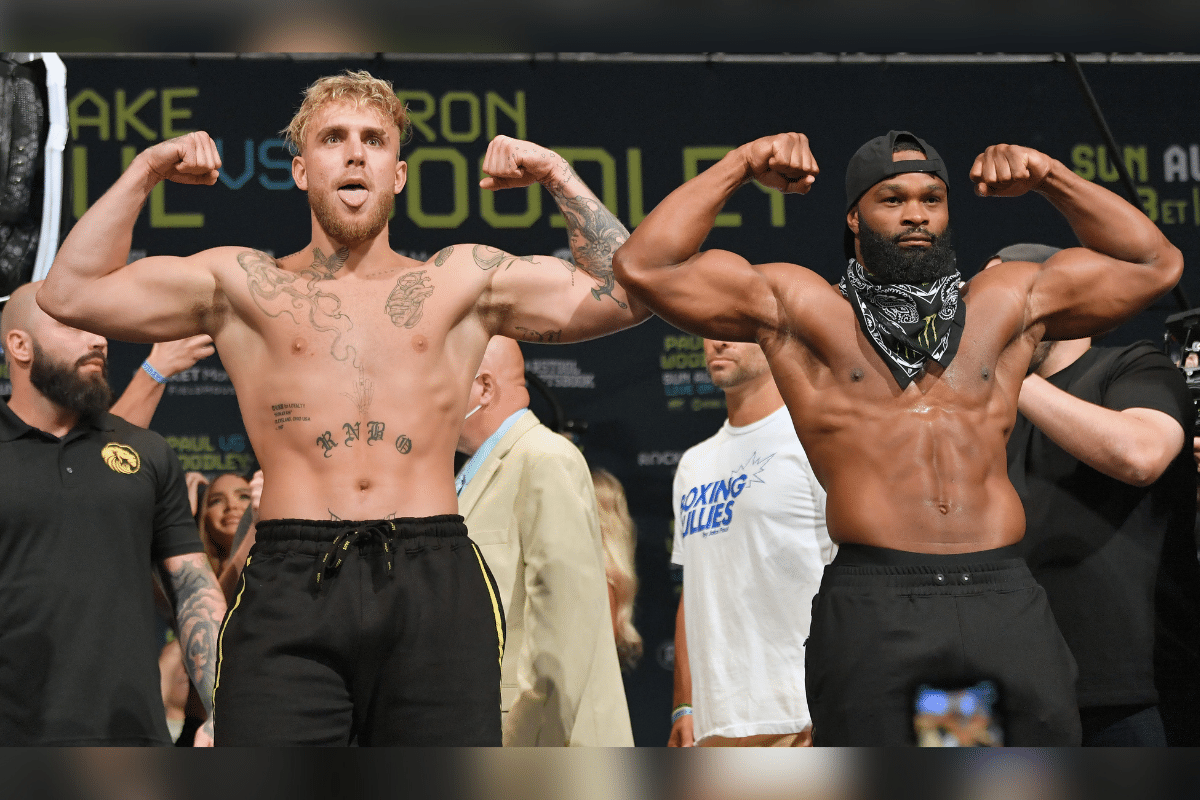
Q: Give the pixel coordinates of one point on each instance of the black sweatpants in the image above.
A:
(886, 621)
(381, 633)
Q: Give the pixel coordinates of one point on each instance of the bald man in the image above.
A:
(530, 506)
(89, 503)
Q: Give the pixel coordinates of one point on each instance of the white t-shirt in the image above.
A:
(750, 534)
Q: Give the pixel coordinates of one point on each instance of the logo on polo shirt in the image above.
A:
(121, 458)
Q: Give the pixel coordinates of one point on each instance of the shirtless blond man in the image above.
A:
(903, 396)
(365, 613)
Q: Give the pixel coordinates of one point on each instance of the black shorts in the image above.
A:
(380, 633)
(886, 621)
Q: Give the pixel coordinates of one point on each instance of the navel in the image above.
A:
(986, 373)
(420, 343)
(364, 484)
(299, 346)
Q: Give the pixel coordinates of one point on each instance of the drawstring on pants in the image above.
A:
(332, 559)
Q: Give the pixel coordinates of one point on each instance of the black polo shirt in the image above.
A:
(82, 521)
(1117, 561)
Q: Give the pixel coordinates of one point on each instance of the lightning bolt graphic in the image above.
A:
(752, 468)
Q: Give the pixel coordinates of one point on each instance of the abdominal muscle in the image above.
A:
(324, 459)
(929, 483)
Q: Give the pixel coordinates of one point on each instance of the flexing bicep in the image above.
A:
(716, 294)
(547, 299)
(155, 299)
(1079, 292)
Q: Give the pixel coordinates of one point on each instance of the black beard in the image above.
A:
(66, 388)
(888, 262)
(354, 233)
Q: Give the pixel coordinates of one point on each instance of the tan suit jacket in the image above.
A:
(531, 509)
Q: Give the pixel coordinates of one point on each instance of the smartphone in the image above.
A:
(958, 716)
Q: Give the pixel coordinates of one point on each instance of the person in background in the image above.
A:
(751, 537)
(619, 536)
(141, 397)
(226, 501)
(1097, 455)
(90, 502)
(530, 507)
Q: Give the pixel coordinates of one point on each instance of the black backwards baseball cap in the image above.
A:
(873, 163)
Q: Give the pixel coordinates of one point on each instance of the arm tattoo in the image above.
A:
(594, 234)
(540, 336)
(407, 300)
(199, 609)
(443, 255)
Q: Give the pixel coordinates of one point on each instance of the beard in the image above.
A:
(888, 262)
(353, 232)
(65, 387)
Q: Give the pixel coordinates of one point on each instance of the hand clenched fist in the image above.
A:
(513, 163)
(191, 158)
(1009, 170)
(782, 162)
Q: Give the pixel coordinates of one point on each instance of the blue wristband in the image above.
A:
(680, 712)
(153, 373)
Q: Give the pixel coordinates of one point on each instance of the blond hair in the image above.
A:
(357, 87)
(619, 537)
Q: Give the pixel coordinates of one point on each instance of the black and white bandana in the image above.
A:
(908, 323)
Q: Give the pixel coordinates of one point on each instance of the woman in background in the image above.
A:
(620, 541)
(224, 502)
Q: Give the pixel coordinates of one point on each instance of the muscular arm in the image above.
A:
(715, 293)
(682, 730)
(540, 298)
(1134, 445)
(154, 299)
(199, 608)
(566, 608)
(1125, 262)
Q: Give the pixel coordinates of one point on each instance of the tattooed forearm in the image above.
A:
(199, 609)
(594, 234)
(540, 336)
(407, 300)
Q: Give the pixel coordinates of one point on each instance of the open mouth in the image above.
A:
(353, 194)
